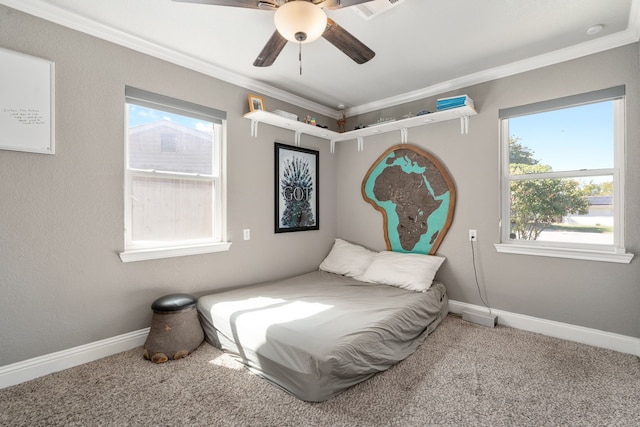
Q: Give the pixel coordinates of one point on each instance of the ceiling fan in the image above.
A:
(301, 21)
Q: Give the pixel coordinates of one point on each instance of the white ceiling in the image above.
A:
(423, 47)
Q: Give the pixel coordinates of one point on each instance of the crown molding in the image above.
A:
(88, 26)
(634, 20)
(50, 12)
(601, 44)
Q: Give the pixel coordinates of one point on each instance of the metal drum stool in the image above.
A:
(175, 328)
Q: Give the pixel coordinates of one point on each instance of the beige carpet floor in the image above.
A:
(463, 375)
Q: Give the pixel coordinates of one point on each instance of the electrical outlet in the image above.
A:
(247, 234)
(473, 235)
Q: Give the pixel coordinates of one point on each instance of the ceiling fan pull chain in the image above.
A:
(300, 55)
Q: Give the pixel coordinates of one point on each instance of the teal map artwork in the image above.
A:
(415, 195)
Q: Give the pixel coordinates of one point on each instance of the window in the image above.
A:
(562, 177)
(174, 188)
(168, 142)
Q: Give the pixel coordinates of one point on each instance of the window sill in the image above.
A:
(589, 255)
(171, 252)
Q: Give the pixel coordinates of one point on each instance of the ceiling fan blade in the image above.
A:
(270, 51)
(252, 4)
(337, 4)
(347, 43)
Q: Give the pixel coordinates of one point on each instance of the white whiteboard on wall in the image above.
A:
(26, 103)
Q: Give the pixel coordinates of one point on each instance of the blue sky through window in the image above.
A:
(569, 139)
(142, 115)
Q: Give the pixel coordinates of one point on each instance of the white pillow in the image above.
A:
(347, 259)
(414, 272)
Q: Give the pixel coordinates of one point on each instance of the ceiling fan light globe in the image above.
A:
(299, 16)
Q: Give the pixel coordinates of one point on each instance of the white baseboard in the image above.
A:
(565, 331)
(49, 363)
(39, 366)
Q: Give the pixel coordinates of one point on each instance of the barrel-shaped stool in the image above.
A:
(175, 328)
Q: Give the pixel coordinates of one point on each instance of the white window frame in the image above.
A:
(139, 251)
(584, 251)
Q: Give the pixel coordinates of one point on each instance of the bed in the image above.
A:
(316, 334)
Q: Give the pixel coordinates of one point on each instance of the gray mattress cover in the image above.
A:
(317, 334)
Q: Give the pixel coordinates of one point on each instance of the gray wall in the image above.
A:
(597, 295)
(61, 217)
(62, 283)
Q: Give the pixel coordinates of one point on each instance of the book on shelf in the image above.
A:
(453, 102)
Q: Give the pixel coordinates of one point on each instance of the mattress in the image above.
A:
(317, 334)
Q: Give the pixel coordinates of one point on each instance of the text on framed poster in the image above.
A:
(27, 103)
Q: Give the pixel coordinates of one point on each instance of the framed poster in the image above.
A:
(27, 103)
(296, 189)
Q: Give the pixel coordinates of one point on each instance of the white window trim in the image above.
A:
(171, 252)
(548, 251)
(607, 253)
(219, 242)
